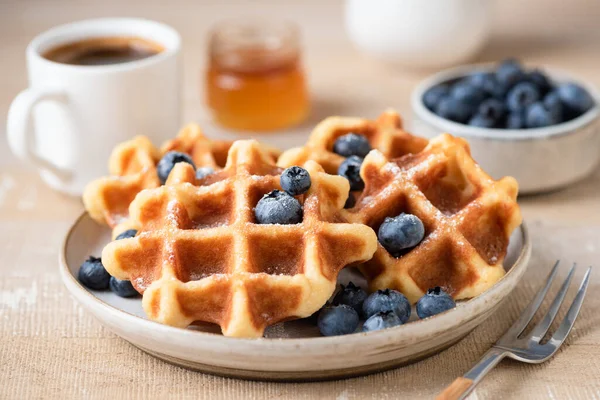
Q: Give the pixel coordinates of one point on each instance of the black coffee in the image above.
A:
(104, 51)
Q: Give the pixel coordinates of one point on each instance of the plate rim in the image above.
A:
(286, 344)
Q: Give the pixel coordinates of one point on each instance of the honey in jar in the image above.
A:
(255, 80)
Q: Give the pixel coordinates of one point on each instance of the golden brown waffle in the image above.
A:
(200, 256)
(132, 167)
(468, 219)
(384, 134)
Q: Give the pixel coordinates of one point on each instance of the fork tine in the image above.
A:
(567, 323)
(543, 326)
(520, 324)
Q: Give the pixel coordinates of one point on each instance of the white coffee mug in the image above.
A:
(71, 116)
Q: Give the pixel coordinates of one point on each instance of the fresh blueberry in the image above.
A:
(122, 288)
(480, 79)
(350, 169)
(541, 80)
(432, 97)
(481, 121)
(166, 164)
(434, 302)
(509, 73)
(575, 98)
(203, 172)
(538, 116)
(352, 144)
(400, 233)
(387, 300)
(554, 105)
(467, 93)
(337, 320)
(454, 110)
(522, 96)
(515, 120)
(93, 275)
(350, 201)
(278, 207)
(492, 109)
(381, 320)
(295, 180)
(351, 295)
(129, 233)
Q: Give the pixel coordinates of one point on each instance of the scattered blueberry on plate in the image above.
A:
(295, 181)
(129, 233)
(435, 301)
(93, 275)
(397, 234)
(122, 288)
(277, 207)
(337, 320)
(166, 164)
(510, 97)
(351, 295)
(381, 320)
(387, 300)
(352, 144)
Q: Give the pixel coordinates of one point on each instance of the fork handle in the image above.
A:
(462, 386)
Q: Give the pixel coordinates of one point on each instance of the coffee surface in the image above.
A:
(103, 51)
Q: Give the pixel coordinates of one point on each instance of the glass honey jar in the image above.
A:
(255, 80)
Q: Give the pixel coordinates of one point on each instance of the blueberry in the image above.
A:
(203, 172)
(400, 233)
(509, 73)
(122, 288)
(295, 180)
(350, 169)
(537, 116)
(432, 97)
(381, 320)
(492, 109)
(554, 105)
(480, 79)
(387, 300)
(539, 79)
(166, 164)
(467, 93)
(575, 98)
(278, 207)
(337, 320)
(352, 144)
(522, 96)
(454, 110)
(481, 121)
(129, 233)
(515, 120)
(93, 275)
(351, 295)
(434, 302)
(350, 201)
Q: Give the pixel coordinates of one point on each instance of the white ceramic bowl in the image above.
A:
(291, 350)
(417, 33)
(540, 159)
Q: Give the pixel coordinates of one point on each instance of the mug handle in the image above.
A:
(21, 137)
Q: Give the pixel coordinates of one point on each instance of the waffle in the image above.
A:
(384, 134)
(468, 219)
(199, 256)
(132, 167)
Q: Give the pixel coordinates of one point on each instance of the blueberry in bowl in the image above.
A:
(530, 122)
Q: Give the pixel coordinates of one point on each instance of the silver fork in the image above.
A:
(528, 348)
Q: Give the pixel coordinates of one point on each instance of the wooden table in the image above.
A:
(51, 348)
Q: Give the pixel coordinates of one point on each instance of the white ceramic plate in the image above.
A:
(292, 350)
